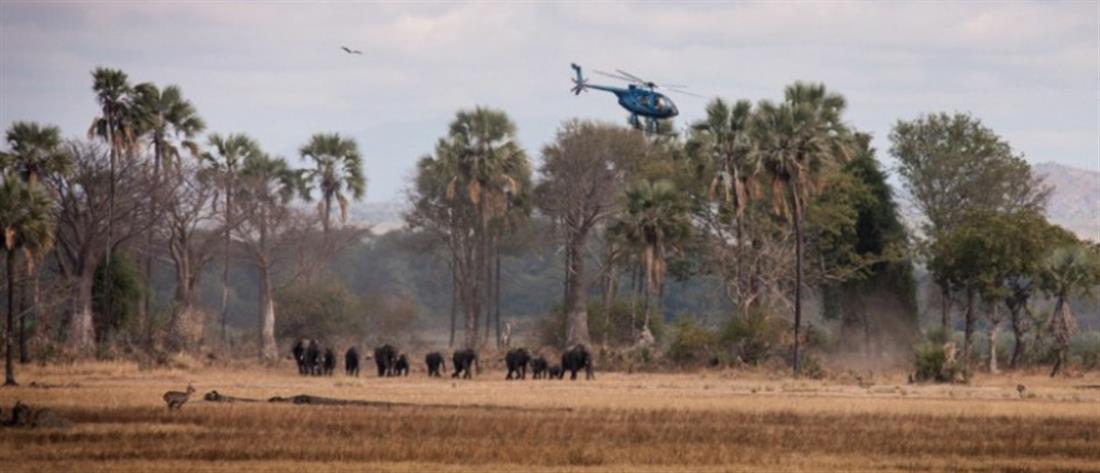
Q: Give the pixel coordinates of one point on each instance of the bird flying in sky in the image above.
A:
(351, 51)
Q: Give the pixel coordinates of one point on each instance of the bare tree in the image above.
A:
(189, 228)
(83, 214)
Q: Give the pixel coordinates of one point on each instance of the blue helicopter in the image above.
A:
(639, 97)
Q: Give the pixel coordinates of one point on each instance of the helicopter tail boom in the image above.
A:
(580, 81)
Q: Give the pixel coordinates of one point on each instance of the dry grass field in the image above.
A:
(699, 422)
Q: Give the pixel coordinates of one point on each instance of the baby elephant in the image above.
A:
(555, 372)
(401, 368)
(175, 399)
(538, 368)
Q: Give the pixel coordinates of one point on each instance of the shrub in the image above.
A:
(692, 343)
(1085, 349)
(930, 363)
(752, 337)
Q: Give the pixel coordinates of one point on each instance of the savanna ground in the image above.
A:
(727, 420)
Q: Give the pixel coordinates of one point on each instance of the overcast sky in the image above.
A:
(275, 71)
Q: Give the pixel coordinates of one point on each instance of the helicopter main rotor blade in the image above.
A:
(632, 76)
(686, 93)
(614, 76)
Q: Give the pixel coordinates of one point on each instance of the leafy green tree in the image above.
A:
(230, 152)
(952, 164)
(583, 174)
(27, 226)
(1068, 270)
(866, 249)
(795, 141)
(126, 287)
(267, 186)
(655, 222)
(338, 168)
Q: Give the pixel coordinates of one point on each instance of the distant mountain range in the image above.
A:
(1074, 203)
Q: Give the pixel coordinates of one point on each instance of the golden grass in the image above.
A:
(710, 421)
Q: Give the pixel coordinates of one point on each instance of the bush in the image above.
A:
(930, 363)
(752, 337)
(692, 343)
(1085, 349)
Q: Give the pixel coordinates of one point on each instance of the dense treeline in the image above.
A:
(754, 227)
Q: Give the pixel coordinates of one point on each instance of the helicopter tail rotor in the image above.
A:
(580, 81)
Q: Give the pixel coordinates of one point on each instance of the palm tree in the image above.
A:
(116, 125)
(231, 151)
(795, 140)
(25, 220)
(656, 223)
(267, 185)
(35, 153)
(164, 115)
(1067, 271)
(490, 163)
(724, 136)
(338, 167)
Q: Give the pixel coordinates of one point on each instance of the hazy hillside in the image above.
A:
(1075, 203)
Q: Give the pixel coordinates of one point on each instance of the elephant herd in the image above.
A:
(313, 360)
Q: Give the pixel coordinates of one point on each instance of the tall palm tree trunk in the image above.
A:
(144, 318)
(225, 261)
(797, 283)
(24, 307)
(454, 303)
(496, 288)
(9, 370)
(107, 277)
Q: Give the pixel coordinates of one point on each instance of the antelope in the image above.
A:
(175, 399)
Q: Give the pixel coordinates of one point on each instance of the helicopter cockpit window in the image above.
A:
(662, 103)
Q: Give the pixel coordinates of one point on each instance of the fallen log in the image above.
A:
(308, 399)
(215, 396)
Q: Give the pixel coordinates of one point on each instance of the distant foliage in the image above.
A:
(127, 291)
(753, 337)
(692, 343)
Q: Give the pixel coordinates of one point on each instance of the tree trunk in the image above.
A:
(496, 288)
(325, 222)
(269, 352)
(81, 330)
(968, 332)
(42, 325)
(225, 261)
(797, 283)
(945, 309)
(454, 301)
(179, 335)
(9, 369)
(24, 307)
(994, 324)
(1018, 333)
(576, 305)
(147, 298)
